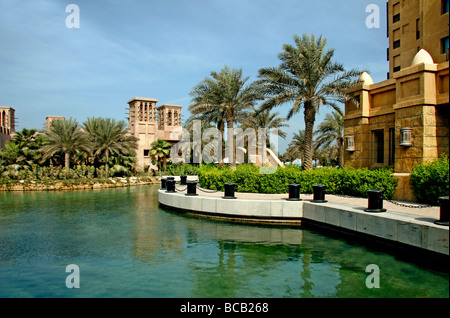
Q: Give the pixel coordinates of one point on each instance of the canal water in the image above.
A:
(124, 245)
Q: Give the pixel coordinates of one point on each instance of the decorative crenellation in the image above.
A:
(145, 110)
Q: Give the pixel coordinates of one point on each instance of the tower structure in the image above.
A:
(149, 123)
(7, 124)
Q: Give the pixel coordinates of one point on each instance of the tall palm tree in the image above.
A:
(227, 95)
(307, 77)
(109, 137)
(65, 136)
(330, 132)
(160, 151)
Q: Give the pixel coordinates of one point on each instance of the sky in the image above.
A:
(161, 49)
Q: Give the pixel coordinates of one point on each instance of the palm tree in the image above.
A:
(307, 78)
(160, 151)
(109, 137)
(10, 154)
(267, 121)
(207, 117)
(296, 146)
(330, 132)
(27, 143)
(225, 96)
(66, 137)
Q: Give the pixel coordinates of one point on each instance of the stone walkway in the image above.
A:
(426, 213)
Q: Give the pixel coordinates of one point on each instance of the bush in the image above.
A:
(178, 169)
(346, 181)
(430, 180)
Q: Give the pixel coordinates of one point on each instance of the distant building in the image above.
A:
(7, 124)
(49, 119)
(150, 123)
(403, 121)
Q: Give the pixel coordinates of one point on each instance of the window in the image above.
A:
(444, 46)
(444, 6)
(417, 29)
(396, 18)
(391, 146)
(378, 137)
(396, 44)
(146, 152)
(387, 54)
(396, 12)
(396, 63)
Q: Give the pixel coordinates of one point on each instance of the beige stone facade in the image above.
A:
(7, 124)
(403, 121)
(49, 119)
(150, 123)
(414, 25)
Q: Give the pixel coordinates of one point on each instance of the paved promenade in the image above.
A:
(423, 213)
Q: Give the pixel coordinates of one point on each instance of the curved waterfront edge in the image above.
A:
(390, 227)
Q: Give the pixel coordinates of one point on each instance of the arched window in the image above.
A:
(4, 119)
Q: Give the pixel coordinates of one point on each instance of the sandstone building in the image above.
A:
(403, 120)
(49, 119)
(150, 123)
(7, 124)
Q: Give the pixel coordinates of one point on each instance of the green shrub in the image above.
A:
(347, 181)
(178, 169)
(430, 180)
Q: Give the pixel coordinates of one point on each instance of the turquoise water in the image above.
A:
(126, 246)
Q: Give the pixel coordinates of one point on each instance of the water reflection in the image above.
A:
(127, 246)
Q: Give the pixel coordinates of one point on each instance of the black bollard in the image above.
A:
(294, 192)
(444, 212)
(319, 193)
(375, 201)
(170, 178)
(229, 190)
(191, 188)
(170, 184)
(183, 180)
(163, 183)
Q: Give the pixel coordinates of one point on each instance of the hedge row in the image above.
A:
(347, 181)
(430, 180)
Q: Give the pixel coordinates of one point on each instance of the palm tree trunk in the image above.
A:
(67, 160)
(341, 152)
(106, 162)
(231, 149)
(310, 117)
(221, 128)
